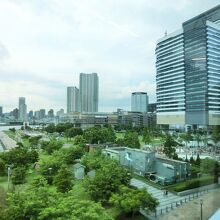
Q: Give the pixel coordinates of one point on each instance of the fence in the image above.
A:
(168, 207)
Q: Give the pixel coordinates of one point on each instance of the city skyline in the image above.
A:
(52, 42)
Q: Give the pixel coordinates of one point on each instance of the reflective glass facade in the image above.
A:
(139, 102)
(188, 71)
(170, 73)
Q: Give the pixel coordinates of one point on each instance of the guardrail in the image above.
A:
(170, 206)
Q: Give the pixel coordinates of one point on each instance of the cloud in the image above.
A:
(44, 45)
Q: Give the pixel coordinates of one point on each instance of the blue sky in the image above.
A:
(45, 44)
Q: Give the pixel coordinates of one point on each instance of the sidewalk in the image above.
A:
(167, 203)
(191, 210)
(7, 142)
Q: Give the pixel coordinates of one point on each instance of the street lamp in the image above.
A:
(50, 176)
(9, 173)
(201, 203)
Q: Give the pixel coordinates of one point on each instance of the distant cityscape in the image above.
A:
(82, 108)
(187, 78)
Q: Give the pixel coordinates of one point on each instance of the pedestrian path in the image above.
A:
(7, 142)
(157, 193)
(166, 202)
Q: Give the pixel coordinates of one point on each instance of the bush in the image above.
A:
(194, 183)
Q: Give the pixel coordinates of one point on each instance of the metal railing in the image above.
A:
(168, 207)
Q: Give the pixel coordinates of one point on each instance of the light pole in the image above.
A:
(50, 176)
(9, 173)
(201, 203)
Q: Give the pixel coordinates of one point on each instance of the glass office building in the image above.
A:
(89, 92)
(139, 102)
(73, 104)
(188, 72)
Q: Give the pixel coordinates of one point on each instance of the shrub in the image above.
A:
(194, 183)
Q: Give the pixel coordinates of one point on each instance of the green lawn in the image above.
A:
(10, 134)
(4, 182)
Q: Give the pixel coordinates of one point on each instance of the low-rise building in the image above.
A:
(146, 163)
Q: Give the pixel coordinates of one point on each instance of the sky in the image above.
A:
(45, 44)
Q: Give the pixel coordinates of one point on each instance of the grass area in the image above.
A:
(26, 142)
(119, 135)
(4, 182)
(10, 134)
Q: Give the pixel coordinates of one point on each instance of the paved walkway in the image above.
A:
(192, 210)
(166, 202)
(7, 142)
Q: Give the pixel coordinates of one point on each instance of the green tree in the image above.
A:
(191, 160)
(51, 146)
(198, 138)
(215, 135)
(72, 132)
(2, 167)
(79, 140)
(210, 166)
(170, 147)
(51, 128)
(85, 210)
(63, 180)
(73, 153)
(18, 175)
(147, 138)
(107, 180)
(198, 160)
(49, 168)
(20, 157)
(34, 142)
(131, 140)
(187, 137)
(93, 159)
(99, 135)
(130, 200)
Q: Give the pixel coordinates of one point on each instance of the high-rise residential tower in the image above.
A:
(139, 102)
(22, 109)
(73, 104)
(89, 92)
(1, 111)
(188, 72)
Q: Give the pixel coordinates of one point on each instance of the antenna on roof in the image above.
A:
(165, 33)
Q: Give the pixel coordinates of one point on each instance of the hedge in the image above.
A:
(194, 183)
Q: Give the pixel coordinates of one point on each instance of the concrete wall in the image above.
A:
(171, 168)
(137, 160)
(171, 119)
(214, 119)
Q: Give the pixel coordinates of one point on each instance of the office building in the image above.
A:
(73, 99)
(139, 102)
(152, 107)
(22, 109)
(15, 113)
(31, 114)
(188, 77)
(42, 113)
(60, 112)
(1, 111)
(50, 113)
(89, 91)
